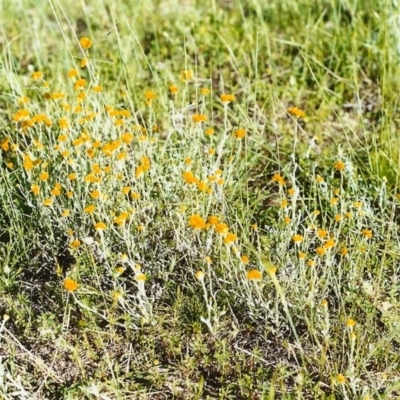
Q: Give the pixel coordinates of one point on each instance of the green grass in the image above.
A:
(160, 303)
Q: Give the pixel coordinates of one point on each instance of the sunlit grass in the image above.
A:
(198, 201)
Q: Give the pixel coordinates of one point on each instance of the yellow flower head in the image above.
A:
(254, 275)
(70, 285)
(85, 42)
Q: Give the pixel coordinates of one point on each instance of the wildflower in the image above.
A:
(213, 220)
(324, 303)
(173, 89)
(227, 98)
(244, 259)
(311, 263)
(338, 218)
(221, 228)
(44, 176)
(79, 84)
(296, 112)
(100, 226)
(150, 95)
(240, 133)
(37, 75)
(254, 275)
(70, 285)
(344, 251)
(189, 177)
(35, 189)
(254, 227)
(72, 73)
(279, 179)
(186, 75)
(322, 233)
(70, 194)
(140, 277)
(48, 202)
(367, 233)
(319, 179)
(200, 275)
(350, 323)
(135, 195)
(205, 91)
(301, 255)
(341, 379)
(209, 131)
(75, 244)
(320, 251)
(297, 238)
(85, 42)
(339, 165)
(230, 238)
(287, 220)
(65, 213)
(284, 203)
(90, 209)
(197, 222)
(334, 200)
(198, 118)
(208, 260)
(329, 244)
(84, 63)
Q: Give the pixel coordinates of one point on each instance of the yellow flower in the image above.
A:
(222, 228)
(70, 285)
(72, 176)
(230, 238)
(322, 233)
(297, 238)
(140, 277)
(279, 179)
(320, 179)
(95, 194)
(75, 244)
(227, 98)
(84, 63)
(301, 255)
(350, 323)
(209, 131)
(321, 251)
(296, 112)
(254, 275)
(85, 42)
(205, 91)
(198, 118)
(367, 233)
(200, 275)
(37, 75)
(100, 226)
(65, 213)
(197, 222)
(90, 209)
(150, 95)
(240, 133)
(341, 379)
(173, 89)
(186, 75)
(48, 202)
(244, 259)
(35, 189)
(339, 165)
(72, 73)
(344, 251)
(329, 244)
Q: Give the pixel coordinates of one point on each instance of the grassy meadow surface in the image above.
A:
(199, 199)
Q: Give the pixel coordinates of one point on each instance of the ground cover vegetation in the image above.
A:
(199, 199)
